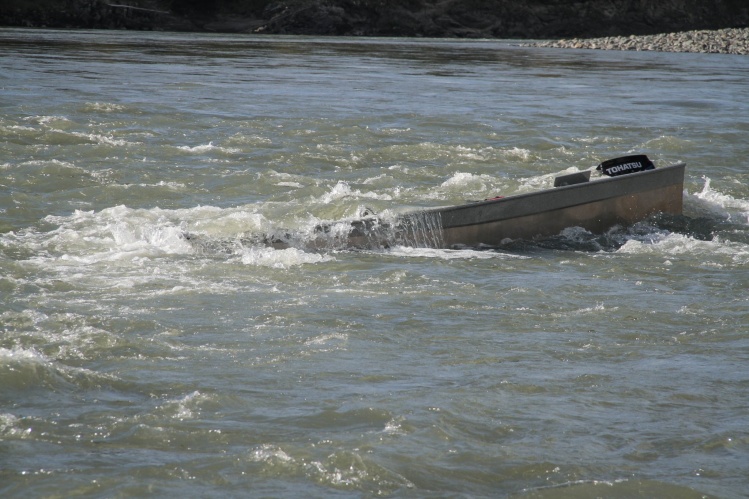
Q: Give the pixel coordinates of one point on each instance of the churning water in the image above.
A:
(134, 362)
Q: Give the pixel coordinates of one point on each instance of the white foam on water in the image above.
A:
(82, 342)
(326, 342)
(517, 153)
(21, 356)
(118, 233)
(466, 180)
(280, 259)
(598, 308)
(464, 185)
(209, 147)
(130, 239)
(46, 162)
(343, 190)
(394, 131)
(664, 143)
(36, 368)
(42, 176)
(451, 254)
(270, 453)
(222, 222)
(17, 128)
(575, 234)
(100, 139)
(46, 120)
(717, 252)
(106, 107)
(545, 181)
(173, 186)
(341, 469)
(185, 407)
(717, 203)
(11, 426)
(395, 427)
(253, 140)
(24, 318)
(122, 248)
(474, 154)
(378, 178)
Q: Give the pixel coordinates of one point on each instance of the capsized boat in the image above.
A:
(629, 190)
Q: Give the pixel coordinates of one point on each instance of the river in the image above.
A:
(136, 363)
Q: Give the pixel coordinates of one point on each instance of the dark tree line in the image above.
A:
(210, 7)
(432, 18)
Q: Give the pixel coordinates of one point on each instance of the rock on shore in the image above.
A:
(723, 41)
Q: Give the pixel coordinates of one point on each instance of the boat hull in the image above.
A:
(596, 206)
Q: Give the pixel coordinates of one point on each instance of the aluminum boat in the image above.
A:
(630, 194)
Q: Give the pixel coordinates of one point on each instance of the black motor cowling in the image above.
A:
(626, 164)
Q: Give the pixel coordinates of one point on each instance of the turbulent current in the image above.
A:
(138, 362)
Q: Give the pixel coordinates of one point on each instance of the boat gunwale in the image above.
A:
(506, 207)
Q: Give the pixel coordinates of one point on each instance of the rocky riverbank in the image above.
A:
(722, 41)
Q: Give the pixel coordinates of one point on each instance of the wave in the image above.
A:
(28, 369)
(110, 250)
(343, 190)
(623, 487)
(341, 469)
(123, 234)
(209, 147)
(716, 252)
(714, 227)
(454, 254)
(712, 202)
(58, 131)
(280, 259)
(104, 107)
(122, 237)
(665, 235)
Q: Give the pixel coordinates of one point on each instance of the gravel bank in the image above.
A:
(723, 41)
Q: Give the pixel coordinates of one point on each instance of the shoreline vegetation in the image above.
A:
(717, 26)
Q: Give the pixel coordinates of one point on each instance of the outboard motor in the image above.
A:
(626, 164)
